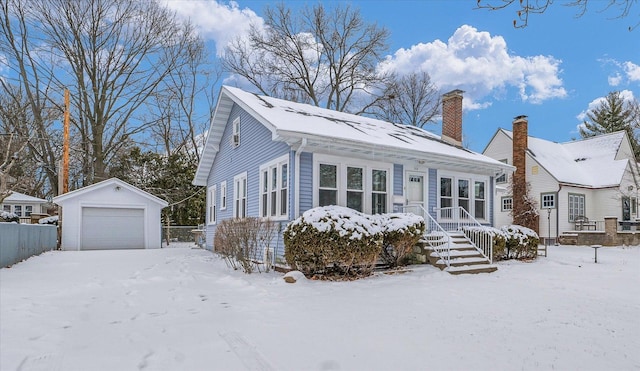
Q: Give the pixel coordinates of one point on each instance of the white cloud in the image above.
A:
(632, 70)
(481, 65)
(627, 96)
(614, 80)
(215, 21)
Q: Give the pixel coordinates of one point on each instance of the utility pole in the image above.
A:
(65, 151)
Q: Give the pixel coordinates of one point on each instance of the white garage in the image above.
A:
(110, 215)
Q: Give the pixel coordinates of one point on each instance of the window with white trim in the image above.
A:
(576, 206)
(361, 185)
(240, 195)
(355, 188)
(28, 209)
(274, 185)
(479, 200)
(446, 195)
(6, 208)
(211, 205)
(17, 209)
(463, 194)
(235, 136)
(548, 200)
(223, 195)
(328, 187)
(378, 191)
(506, 204)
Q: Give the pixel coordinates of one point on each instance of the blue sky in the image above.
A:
(553, 70)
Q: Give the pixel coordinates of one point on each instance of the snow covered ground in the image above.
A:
(182, 309)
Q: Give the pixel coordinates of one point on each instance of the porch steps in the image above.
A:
(464, 257)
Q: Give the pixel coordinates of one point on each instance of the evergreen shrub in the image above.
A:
(401, 232)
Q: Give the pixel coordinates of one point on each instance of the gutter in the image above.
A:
(303, 143)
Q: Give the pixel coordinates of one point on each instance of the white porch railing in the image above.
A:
(434, 235)
(456, 218)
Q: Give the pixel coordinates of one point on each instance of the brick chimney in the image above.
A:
(452, 117)
(520, 145)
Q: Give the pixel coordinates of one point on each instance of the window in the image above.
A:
(28, 209)
(463, 194)
(328, 189)
(235, 137)
(378, 191)
(446, 196)
(240, 195)
(6, 208)
(548, 200)
(507, 204)
(355, 188)
(211, 205)
(634, 205)
(223, 195)
(17, 209)
(274, 188)
(479, 200)
(502, 178)
(576, 206)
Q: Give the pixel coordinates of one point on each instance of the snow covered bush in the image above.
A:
(49, 220)
(7, 217)
(333, 240)
(520, 242)
(401, 232)
(242, 242)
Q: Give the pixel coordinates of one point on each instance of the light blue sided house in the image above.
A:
(271, 158)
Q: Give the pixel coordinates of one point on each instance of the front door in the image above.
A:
(416, 189)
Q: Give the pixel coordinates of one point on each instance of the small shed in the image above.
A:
(111, 214)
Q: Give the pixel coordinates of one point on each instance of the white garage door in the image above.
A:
(112, 228)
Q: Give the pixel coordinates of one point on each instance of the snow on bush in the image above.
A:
(7, 217)
(401, 232)
(49, 220)
(333, 240)
(510, 241)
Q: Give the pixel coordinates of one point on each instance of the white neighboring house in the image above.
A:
(111, 214)
(594, 178)
(24, 205)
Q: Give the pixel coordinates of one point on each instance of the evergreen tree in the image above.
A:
(613, 114)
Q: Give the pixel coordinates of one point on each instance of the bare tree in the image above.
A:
(325, 57)
(524, 8)
(9, 156)
(411, 99)
(112, 55)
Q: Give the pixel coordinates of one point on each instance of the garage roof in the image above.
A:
(113, 182)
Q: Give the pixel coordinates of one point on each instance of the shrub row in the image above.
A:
(334, 240)
(242, 242)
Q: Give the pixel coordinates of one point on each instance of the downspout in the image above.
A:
(296, 194)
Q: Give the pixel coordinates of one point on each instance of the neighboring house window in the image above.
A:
(6, 208)
(479, 200)
(240, 195)
(328, 189)
(28, 209)
(576, 206)
(379, 191)
(548, 200)
(235, 138)
(17, 209)
(634, 205)
(507, 204)
(463, 194)
(502, 178)
(211, 207)
(355, 188)
(223, 195)
(274, 188)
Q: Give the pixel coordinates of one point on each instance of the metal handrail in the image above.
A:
(434, 230)
(457, 218)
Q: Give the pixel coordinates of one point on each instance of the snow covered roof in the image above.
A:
(16, 197)
(292, 122)
(106, 183)
(588, 162)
